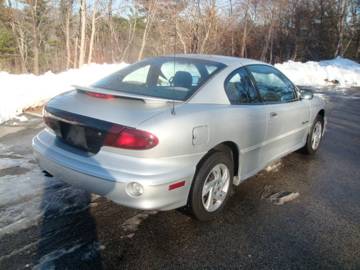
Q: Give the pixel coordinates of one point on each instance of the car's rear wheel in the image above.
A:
(315, 136)
(212, 186)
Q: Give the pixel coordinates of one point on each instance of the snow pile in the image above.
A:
(341, 71)
(19, 92)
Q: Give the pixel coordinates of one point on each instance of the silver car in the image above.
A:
(177, 131)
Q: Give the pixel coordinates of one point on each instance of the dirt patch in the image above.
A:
(283, 197)
(278, 198)
(13, 171)
(34, 110)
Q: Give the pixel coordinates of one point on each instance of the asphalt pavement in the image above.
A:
(46, 224)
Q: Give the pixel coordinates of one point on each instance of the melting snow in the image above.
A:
(274, 167)
(132, 224)
(22, 200)
(283, 197)
(278, 198)
(22, 91)
(342, 71)
(21, 118)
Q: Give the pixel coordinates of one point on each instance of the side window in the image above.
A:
(211, 68)
(272, 85)
(138, 76)
(239, 88)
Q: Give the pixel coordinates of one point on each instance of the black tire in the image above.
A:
(308, 148)
(195, 206)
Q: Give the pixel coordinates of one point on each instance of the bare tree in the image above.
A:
(93, 31)
(341, 27)
(17, 24)
(76, 49)
(269, 35)
(111, 27)
(208, 23)
(128, 30)
(21, 42)
(36, 11)
(82, 49)
(231, 18)
(245, 29)
(131, 34)
(181, 37)
(151, 12)
(66, 12)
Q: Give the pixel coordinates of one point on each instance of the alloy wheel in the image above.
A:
(216, 187)
(316, 135)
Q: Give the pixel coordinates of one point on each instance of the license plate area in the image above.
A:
(74, 135)
(82, 132)
(81, 137)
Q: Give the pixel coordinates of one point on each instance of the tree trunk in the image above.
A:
(341, 28)
(143, 41)
(245, 32)
(35, 36)
(294, 57)
(357, 54)
(267, 42)
(271, 49)
(132, 29)
(244, 39)
(149, 20)
(82, 32)
(232, 28)
(35, 50)
(111, 28)
(19, 34)
(181, 38)
(76, 48)
(23, 53)
(93, 31)
(67, 32)
(210, 25)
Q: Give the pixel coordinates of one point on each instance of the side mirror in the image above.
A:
(306, 94)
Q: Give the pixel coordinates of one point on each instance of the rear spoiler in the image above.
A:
(123, 94)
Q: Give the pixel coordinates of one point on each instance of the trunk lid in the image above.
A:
(121, 109)
(85, 121)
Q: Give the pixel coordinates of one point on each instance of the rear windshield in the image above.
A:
(162, 77)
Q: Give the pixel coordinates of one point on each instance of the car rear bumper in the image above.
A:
(108, 173)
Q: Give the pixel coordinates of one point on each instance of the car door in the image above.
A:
(287, 115)
(248, 118)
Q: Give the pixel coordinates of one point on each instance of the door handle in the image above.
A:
(273, 114)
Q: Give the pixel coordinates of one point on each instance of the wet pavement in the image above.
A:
(46, 224)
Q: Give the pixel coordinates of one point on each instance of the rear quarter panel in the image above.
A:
(243, 125)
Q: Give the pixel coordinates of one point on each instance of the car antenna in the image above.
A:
(173, 101)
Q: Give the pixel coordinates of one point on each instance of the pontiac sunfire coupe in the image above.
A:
(177, 131)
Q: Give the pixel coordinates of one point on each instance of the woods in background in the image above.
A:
(41, 35)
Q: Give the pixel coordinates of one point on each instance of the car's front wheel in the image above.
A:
(315, 136)
(212, 186)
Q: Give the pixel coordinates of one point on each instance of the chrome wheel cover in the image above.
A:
(216, 187)
(316, 135)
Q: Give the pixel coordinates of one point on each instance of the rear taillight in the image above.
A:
(97, 133)
(130, 138)
(99, 95)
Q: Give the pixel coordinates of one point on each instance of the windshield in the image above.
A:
(162, 77)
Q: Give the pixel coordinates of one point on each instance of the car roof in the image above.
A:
(227, 60)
